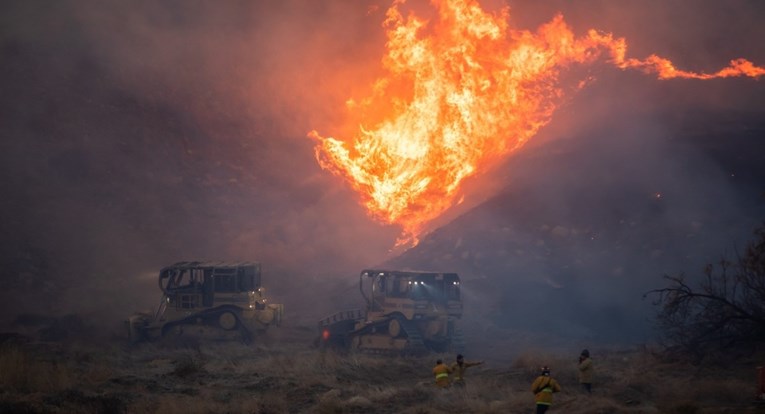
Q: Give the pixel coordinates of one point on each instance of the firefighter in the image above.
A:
(543, 388)
(585, 371)
(458, 369)
(441, 371)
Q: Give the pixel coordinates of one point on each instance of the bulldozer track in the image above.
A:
(210, 317)
(458, 341)
(415, 343)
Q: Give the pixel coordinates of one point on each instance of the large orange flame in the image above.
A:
(458, 97)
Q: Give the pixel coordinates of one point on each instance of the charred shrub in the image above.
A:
(723, 314)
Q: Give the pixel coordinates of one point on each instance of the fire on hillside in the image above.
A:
(461, 93)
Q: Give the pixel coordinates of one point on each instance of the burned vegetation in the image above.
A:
(723, 315)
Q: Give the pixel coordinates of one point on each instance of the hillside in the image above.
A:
(584, 226)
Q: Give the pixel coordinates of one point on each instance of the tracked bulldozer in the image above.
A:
(208, 296)
(407, 312)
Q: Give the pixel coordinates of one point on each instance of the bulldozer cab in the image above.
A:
(190, 285)
(385, 291)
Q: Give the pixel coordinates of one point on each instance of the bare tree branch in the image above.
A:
(726, 310)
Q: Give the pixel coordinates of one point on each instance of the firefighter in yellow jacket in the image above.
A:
(543, 388)
(458, 369)
(441, 371)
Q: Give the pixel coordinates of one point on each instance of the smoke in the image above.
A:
(140, 134)
(701, 36)
(588, 222)
(137, 135)
(633, 179)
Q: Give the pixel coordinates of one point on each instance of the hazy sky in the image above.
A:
(137, 134)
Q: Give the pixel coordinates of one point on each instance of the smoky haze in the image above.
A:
(587, 225)
(633, 179)
(135, 135)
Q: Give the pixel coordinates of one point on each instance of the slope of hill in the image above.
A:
(586, 225)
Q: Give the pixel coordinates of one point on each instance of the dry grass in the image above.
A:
(25, 372)
(228, 377)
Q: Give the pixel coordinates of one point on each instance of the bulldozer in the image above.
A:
(407, 312)
(208, 296)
